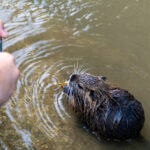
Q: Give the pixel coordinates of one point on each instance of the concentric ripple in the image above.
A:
(39, 98)
(36, 110)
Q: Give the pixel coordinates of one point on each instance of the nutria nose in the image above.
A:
(66, 90)
(73, 77)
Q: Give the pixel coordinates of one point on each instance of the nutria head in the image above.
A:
(87, 87)
(109, 111)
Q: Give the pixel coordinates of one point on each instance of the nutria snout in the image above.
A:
(109, 111)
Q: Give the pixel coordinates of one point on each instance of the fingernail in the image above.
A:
(3, 33)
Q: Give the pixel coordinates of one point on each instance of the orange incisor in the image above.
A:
(63, 84)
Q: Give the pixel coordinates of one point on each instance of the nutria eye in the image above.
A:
(73, 77)
(80, 87)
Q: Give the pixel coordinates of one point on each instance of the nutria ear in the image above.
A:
(103, 78)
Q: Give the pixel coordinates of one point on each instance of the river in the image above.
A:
(49, 38)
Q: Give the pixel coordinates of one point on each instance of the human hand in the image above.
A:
(9, 74)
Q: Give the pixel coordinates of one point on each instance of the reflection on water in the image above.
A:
(48, 38)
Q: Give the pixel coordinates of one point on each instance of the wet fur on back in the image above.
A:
(109, 111)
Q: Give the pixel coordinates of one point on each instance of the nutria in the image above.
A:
(111, 112)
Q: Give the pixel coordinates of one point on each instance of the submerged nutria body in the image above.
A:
(108, 111)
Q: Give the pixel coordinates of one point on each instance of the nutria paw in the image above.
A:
(109, 111)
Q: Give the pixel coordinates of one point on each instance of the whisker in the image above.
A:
(79, 69)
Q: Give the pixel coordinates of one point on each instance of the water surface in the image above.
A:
(47, 38)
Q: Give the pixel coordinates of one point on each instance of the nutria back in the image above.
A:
(109, 111)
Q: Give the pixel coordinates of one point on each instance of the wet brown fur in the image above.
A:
(109, 111)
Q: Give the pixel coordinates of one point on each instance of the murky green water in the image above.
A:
(49, 37)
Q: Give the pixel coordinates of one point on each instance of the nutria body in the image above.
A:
(110, 112)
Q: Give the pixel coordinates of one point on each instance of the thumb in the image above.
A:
(3, 33)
